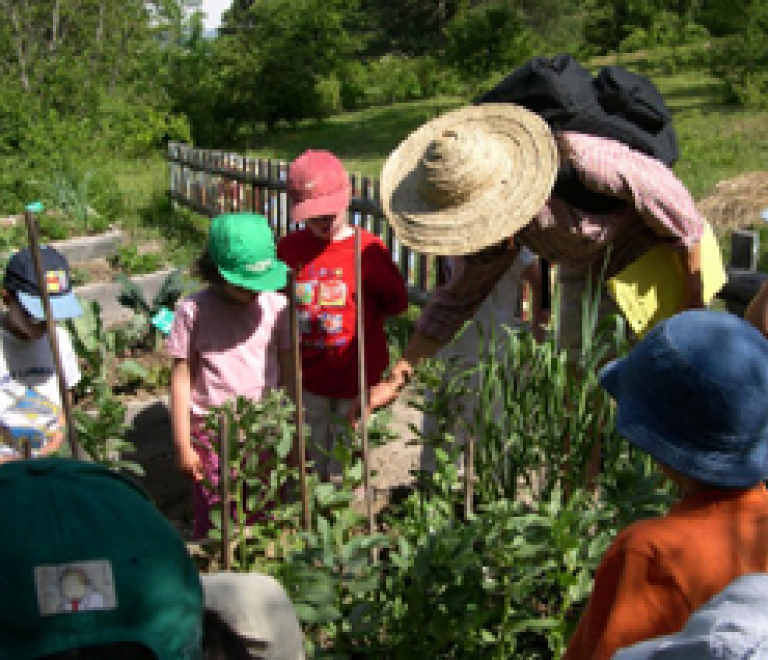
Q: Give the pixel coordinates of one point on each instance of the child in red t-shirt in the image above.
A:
(322, 256)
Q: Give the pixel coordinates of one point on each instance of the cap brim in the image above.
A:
(321, 206)
(274, 279)
(62, 306)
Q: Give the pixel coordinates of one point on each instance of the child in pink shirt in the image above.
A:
(230, 339)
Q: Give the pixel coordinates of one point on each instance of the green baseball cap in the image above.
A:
(88, 560)
(243, 249)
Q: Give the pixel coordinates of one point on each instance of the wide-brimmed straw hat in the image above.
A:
(469, 178)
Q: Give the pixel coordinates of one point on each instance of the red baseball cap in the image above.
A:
(318, 185)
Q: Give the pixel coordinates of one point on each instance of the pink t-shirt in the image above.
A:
(232, 349)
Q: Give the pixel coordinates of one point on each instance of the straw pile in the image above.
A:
(736, 203)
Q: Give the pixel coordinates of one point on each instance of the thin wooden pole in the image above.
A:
(301, 440)
(226, 550)
(34, 248)
(363, 388)
(469, 476)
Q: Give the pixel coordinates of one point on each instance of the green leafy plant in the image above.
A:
(132, 297)
(102, 431)
(92, 343)
(152, 377)
(129, 260)
(262, 482)
(67, 191)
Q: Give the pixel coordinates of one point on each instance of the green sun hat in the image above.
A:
(243, 249)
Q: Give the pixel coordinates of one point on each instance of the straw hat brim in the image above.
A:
(523, 184)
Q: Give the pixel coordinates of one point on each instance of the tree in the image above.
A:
(276, 60)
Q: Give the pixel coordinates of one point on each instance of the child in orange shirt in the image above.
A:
(694, 395)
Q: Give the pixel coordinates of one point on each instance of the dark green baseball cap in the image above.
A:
(88, 560)
(243, 248)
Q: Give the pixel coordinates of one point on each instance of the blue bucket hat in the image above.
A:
(694, 395)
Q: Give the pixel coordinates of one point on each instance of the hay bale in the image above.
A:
(736, 203)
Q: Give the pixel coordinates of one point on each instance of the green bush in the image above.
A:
(395, 78)
(742, 60)
(486, 38)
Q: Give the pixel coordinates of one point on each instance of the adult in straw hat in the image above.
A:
(465, 182)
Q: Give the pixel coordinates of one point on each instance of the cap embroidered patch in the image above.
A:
(56, 281)
(259, 266)
(75, 587)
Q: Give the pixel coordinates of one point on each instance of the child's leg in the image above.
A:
(204, 497)
(319, 419)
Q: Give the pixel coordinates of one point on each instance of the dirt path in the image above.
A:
(393, 461)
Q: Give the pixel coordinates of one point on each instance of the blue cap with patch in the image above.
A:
(21, 279)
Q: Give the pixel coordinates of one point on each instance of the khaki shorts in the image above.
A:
(325, 418)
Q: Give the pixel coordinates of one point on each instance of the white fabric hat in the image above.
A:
(469, 178)
(257, 608)
(733, 625)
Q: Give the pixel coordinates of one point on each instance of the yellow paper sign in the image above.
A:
(651, 288)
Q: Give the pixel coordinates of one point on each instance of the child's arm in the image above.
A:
(386, 279)
(532, 276)
(181, 394)
(757, 312)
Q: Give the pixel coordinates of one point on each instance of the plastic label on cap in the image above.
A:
(80, 586)
(163, 320)
(56, 281)
(259, 266)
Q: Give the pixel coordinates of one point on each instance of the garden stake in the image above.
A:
(363, 392)
(469, 476)
(34, 248)
(226, 555)
(298, 385)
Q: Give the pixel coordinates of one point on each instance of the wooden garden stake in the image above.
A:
(299, 401)
(226, 550)
(363, 390)
(469, 476)
(34, 248)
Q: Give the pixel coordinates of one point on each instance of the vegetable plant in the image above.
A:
(132, 297)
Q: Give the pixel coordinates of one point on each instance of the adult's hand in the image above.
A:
(383, 394)
(693, 289)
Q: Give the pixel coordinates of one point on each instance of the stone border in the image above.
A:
(80, 249)
(85, 248)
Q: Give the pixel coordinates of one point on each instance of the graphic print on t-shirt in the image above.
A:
(332, 293)
(305, 321)
(322, 296)
(331, 324)
(25, 416)
(305, 292)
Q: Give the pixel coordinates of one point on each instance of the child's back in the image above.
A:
(693, 395)
(233, 349)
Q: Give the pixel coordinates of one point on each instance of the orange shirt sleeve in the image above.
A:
(633, 599)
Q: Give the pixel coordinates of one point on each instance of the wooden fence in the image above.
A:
(212, 182)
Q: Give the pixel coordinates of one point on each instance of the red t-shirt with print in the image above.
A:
(327, 308)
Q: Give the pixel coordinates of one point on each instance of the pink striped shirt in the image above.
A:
(659, 208)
